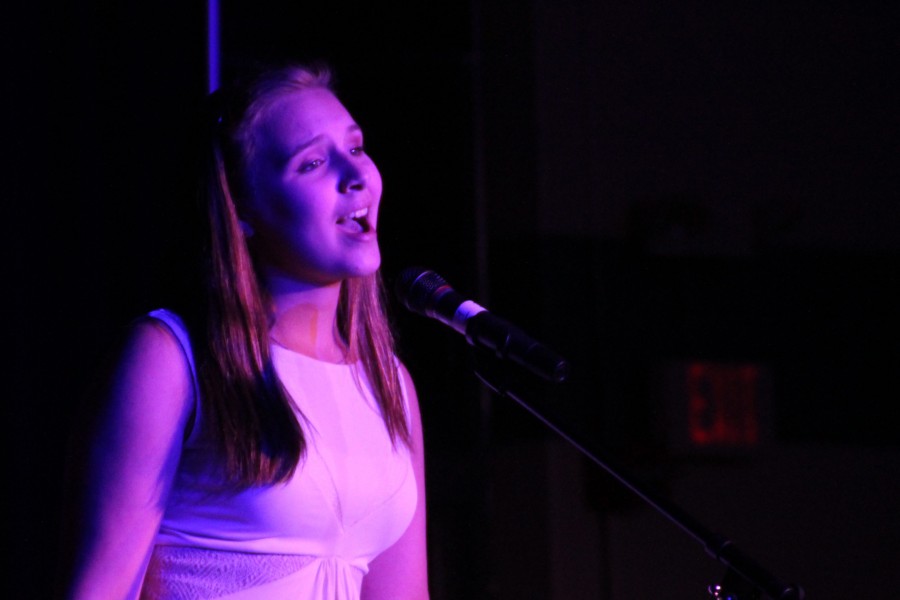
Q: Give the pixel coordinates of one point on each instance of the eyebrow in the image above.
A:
(354, 128)
(303, 146)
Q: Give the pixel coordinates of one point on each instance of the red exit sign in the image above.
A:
(717, 405)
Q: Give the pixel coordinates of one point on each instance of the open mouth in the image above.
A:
(356, 222)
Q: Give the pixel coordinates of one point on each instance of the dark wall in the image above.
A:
(718, 184)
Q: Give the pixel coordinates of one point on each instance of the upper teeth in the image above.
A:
(358, 214)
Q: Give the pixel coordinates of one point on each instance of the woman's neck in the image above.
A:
(305, 317)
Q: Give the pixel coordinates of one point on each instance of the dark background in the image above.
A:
(640, 187)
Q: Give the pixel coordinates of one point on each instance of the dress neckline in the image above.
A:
(312, 359)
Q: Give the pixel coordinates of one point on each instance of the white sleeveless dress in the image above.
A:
(311, 538)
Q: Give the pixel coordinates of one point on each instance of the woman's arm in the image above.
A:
(130, 465)
(401, 571)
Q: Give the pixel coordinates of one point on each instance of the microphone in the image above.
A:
(425, 292)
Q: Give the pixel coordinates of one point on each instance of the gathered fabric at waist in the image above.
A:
(187, 573)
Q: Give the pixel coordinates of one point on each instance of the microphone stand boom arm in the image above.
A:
(742, 570)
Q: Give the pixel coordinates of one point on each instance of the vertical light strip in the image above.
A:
(212, 45)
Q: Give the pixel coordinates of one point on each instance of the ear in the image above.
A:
(246, 228)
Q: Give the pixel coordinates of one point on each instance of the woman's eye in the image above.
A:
(357, 150)
(310, 165)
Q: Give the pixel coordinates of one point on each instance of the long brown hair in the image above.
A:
(247, 410)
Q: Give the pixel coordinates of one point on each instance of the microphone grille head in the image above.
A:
(416, 286)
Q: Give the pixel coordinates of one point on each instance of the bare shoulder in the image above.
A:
(407, 378)
(151, 386)
(152, 350)
(151, 341)
(413, 402)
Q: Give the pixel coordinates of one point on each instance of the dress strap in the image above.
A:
(176, 325)
(403, 392)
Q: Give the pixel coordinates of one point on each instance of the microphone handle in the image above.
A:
(508, 342)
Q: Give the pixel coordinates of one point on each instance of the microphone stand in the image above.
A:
(744, 579)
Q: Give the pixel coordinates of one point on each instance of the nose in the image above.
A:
(353, 177)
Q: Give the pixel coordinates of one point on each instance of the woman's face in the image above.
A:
(314, 192)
